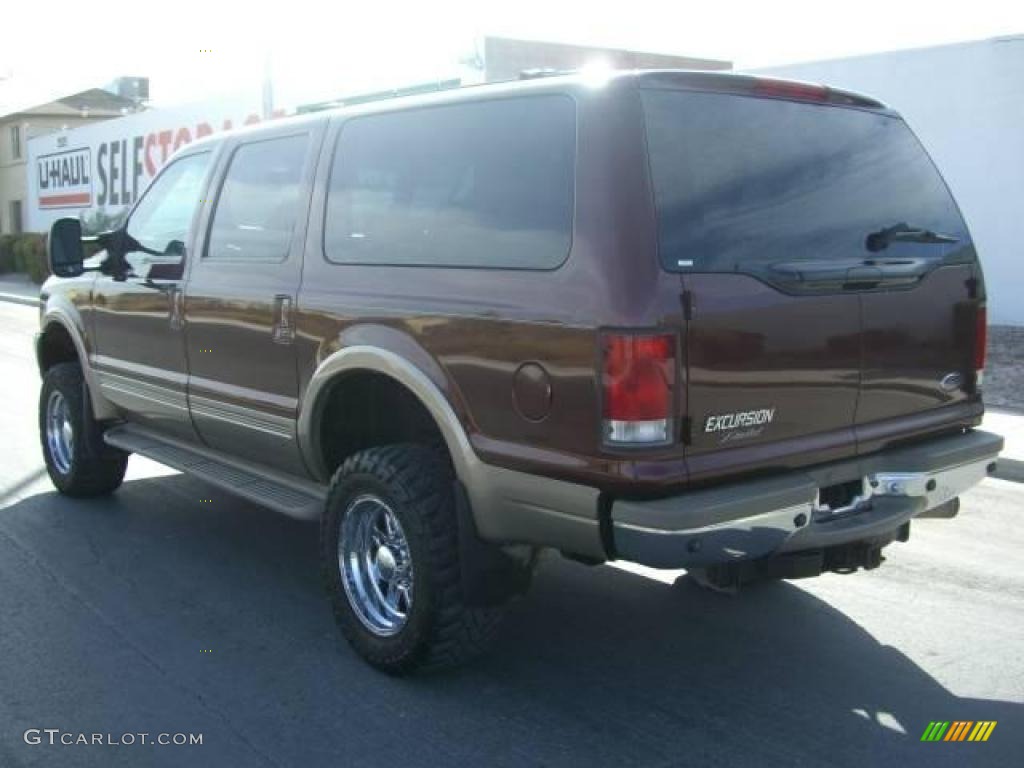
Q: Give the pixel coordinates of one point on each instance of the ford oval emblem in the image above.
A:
(952, 381)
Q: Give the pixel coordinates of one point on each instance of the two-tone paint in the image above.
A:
(237, 357)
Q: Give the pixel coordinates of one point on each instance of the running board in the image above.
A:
(291, 496)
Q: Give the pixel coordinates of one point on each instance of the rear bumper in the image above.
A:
(760, 518)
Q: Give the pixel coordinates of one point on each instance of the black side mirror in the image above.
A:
(64, 248)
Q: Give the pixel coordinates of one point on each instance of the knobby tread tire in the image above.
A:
(441, 631)
(96, 468)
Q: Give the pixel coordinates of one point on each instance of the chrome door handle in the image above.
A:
(176, 300)
(283, 331)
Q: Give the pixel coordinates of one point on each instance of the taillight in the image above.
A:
(980, 343)
(638, 379)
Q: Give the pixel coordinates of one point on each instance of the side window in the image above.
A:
(161, 222)
(259, 201)
(486, 184)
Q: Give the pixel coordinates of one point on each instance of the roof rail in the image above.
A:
(539, 72)
(393, 93)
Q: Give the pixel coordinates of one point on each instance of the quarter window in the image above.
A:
(259, 201)
(487, 184)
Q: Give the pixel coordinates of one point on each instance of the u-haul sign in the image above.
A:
(104, 167)
(65, 179)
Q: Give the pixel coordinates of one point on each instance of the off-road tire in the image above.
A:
(95, 467)
(441, 631)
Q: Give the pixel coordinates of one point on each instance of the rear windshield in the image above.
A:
(742, 180)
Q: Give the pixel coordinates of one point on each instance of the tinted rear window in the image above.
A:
(487, 184)
(743, 180)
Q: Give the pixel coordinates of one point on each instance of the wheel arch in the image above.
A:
(365, 359)
(58, 326)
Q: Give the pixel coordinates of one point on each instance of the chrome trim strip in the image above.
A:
(117, 366)
(239, 415)
(110, 382)
(211, 389)
(153, 393)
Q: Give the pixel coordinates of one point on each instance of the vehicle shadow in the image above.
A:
(109, 606)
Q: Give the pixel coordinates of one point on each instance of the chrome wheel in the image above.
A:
(376, 565)
(60, 435)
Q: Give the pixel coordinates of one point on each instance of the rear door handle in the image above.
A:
(283, 331)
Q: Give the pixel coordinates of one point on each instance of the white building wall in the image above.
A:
(120, 157)
(966, 103)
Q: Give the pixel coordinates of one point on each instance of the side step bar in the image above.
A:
(290, 496)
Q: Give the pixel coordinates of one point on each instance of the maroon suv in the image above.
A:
(689, 320)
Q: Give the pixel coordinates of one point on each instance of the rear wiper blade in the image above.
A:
(904, 233)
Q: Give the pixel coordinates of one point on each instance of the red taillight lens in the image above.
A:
(980, 337)
(638, 379)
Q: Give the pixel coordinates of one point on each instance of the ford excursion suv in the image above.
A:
(700, 321)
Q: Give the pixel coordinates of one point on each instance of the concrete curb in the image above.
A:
(15, 298)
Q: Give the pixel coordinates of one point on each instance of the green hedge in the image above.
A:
(24, 253)
(7, 253)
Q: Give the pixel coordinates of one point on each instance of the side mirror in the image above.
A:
(64, 248)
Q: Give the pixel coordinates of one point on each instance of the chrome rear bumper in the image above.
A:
(756, 519)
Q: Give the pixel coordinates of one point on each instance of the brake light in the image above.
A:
(786, 89)
(638, 379)
(980, 343)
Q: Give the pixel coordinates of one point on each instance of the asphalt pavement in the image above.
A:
(154, 612)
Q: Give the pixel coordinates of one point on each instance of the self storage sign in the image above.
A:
(106, 166)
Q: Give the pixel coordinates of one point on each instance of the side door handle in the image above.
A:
(283, 330)
(176, 303)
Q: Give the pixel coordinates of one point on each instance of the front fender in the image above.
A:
(60, 310)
